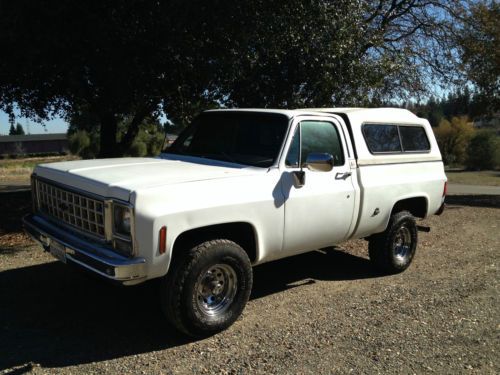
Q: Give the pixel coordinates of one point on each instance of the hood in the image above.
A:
(118, 178)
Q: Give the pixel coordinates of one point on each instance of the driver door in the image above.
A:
(320, 212)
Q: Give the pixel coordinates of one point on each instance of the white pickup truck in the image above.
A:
(236, 189)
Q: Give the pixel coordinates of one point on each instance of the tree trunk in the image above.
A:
(132, 131)
(108, 145)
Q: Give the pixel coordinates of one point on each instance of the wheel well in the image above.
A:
(241, 233)
(416, 206)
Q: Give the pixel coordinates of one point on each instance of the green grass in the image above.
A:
(487, 178)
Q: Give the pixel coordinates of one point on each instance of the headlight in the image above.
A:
(121, 219)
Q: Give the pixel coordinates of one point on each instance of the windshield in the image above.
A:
(240, 137)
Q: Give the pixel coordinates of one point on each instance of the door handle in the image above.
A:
(342, 175)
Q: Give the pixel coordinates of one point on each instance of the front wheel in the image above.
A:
(207, 288)
(393, 250)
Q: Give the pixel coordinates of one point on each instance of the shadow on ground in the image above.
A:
(54, 316)
(14, 188)
(474, 200)
(13, 206)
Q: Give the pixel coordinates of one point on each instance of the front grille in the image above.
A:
(71, 208)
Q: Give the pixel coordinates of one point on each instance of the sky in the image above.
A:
(54, 126)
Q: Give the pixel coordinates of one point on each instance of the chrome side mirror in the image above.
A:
(320, 162)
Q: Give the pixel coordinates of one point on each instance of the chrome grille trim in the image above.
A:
(71, 208)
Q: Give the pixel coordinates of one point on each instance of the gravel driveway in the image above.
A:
(317, 313)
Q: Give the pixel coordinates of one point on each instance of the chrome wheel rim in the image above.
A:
(215, 289)
(402, 244)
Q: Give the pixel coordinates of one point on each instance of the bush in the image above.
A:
(138, 149)
(79, 141)
(483, 151)
(453, 138)
(85, 142)
(155, 144)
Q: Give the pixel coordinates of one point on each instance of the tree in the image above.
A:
(84, 137)
(457, 103)
(122, 62)
(483, 151)
(453, 139)
(478, 43)
(79, 142)
(324, 53)
(16, 130)
(19, 129)
(116, 60)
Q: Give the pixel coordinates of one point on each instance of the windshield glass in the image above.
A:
(240, 137)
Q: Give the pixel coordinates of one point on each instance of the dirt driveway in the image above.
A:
(317, 313)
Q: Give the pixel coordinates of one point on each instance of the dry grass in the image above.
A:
(19, 170)
(487, 178)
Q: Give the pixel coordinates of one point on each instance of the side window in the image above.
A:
(382, 138)
(395, 138)
(414, 138)
(317, 136)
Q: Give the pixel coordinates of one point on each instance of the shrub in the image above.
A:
(483, 151)
(138, 148)
(453, 138)
(79, 141)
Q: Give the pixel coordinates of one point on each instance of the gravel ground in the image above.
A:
(317, 313)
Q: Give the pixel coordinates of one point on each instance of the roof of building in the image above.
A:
(34, 137)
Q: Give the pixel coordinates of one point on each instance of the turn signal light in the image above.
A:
(163, 240)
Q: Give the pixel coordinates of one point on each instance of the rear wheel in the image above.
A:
(392, 251)
(207, 288)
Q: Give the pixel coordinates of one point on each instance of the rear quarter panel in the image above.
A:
(385, 179)
(383, 186)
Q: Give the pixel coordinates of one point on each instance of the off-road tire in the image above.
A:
(196, 269)
(393, 250)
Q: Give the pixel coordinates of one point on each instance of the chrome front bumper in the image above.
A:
(88, 255)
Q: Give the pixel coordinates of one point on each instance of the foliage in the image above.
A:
(323, 53)
(122, 62)
(86, 143)
(78, 142)
(138, 148)
(478, 42)
(16, 130)
(453, 138)
(483, 151)
(149, 141)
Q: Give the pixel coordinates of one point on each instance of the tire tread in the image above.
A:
(175, 281)
(380, 244)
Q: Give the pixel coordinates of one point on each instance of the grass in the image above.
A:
(18, 171)
(487, 178)
(34, 161)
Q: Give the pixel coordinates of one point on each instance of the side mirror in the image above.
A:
(319, 162)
